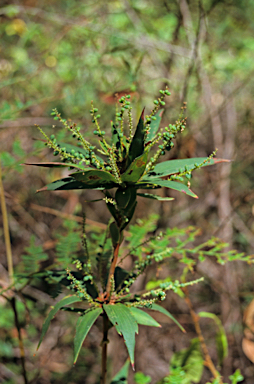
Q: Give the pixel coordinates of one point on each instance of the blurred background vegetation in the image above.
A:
(66, 53)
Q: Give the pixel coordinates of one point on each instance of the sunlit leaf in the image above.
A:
(84, 325)
(154, 126)
(65, 301)
(94, 177)
(168, 184)
(138, 141)
(143, 317)
(171, 167)
(136, 169)
(125, 323)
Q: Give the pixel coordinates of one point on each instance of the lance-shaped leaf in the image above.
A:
(120, 277)
(52, 164)
(190, 361)
(143, 318)
(114, 233)
(158, 308)
(169, 184)
(123, 196)
(122, 376)
(65, 301)
(94, 177)
(171, 167)
(136, 169)
(116, 140)
(125, 323)
(155, 197)
(154, 126)
(69, 183)
(138, 141)
(84, 325)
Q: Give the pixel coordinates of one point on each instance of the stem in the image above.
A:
(195, 319)
(21, 345)
(112, 268)
(6, 230)
(104, 345)
(10, 271)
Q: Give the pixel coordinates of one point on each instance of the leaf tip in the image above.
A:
(42, 189)
(143, 114)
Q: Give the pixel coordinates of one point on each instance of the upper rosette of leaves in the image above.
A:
(127, 161)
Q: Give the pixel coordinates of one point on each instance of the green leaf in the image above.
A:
(114, 233)
(143, 317)
(154, 126)
(122, 197)
(136, 169)
(51, 164)
(115, 136)
(155, 197)
(221, 337)
(120, 276)
(94, 177)
(138, 141)
(171, 185)
(191, 361)
(65, 301)
(158, 308)
(236, 377)
(171, 167)
(141, 378)
(122, 376)
(125, 323)
(84, 325)
(69, 183)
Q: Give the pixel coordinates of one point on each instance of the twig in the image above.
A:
(21, 345)
(6, 230)
(11, 278)
(69, 216)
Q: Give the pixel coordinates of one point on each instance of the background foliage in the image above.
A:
(65, 53)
